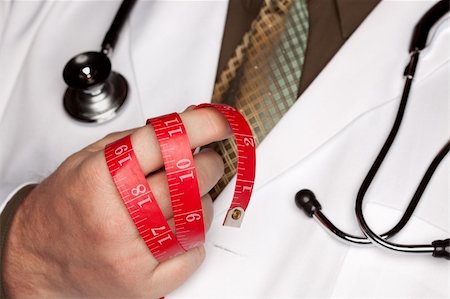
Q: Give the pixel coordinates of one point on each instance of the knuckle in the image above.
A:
(92, 170)
(70, 163)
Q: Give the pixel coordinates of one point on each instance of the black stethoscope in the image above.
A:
(95, 93)
(306, 200)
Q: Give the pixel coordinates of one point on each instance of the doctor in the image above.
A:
(277, 252)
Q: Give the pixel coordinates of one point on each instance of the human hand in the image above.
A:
(73, 236)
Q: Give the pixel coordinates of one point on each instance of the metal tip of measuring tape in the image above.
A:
(234, 217)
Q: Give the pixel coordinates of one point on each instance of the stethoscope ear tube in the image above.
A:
(437, 248)
(422, 29)
(109, 42)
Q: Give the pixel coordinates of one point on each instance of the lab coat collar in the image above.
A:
(316, 117)
(293, 139)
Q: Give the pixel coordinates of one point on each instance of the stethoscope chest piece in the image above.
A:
(95, 93)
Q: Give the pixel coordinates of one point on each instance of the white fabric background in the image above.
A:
(326, 142)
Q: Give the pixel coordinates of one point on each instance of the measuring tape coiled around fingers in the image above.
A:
(182, 181)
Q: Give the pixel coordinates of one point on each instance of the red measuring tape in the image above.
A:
(182, 180)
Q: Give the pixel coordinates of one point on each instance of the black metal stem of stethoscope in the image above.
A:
(339, 234)
(109, 42)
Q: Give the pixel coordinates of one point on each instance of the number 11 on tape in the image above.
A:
(182, 181)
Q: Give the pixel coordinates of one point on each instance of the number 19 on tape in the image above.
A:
(182, 181)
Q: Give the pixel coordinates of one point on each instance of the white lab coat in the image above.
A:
(326, 142)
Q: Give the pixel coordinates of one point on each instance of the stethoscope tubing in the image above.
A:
(372, 236)
(438, 248)
(363, 240)
(111, 36)
(306, 200)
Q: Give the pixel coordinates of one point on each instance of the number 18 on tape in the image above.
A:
(182, 181)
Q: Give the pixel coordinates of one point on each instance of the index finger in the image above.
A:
(203, 126)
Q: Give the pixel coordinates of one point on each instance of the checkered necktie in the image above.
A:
(262, 77)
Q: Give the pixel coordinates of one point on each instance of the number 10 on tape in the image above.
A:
(182, 181)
